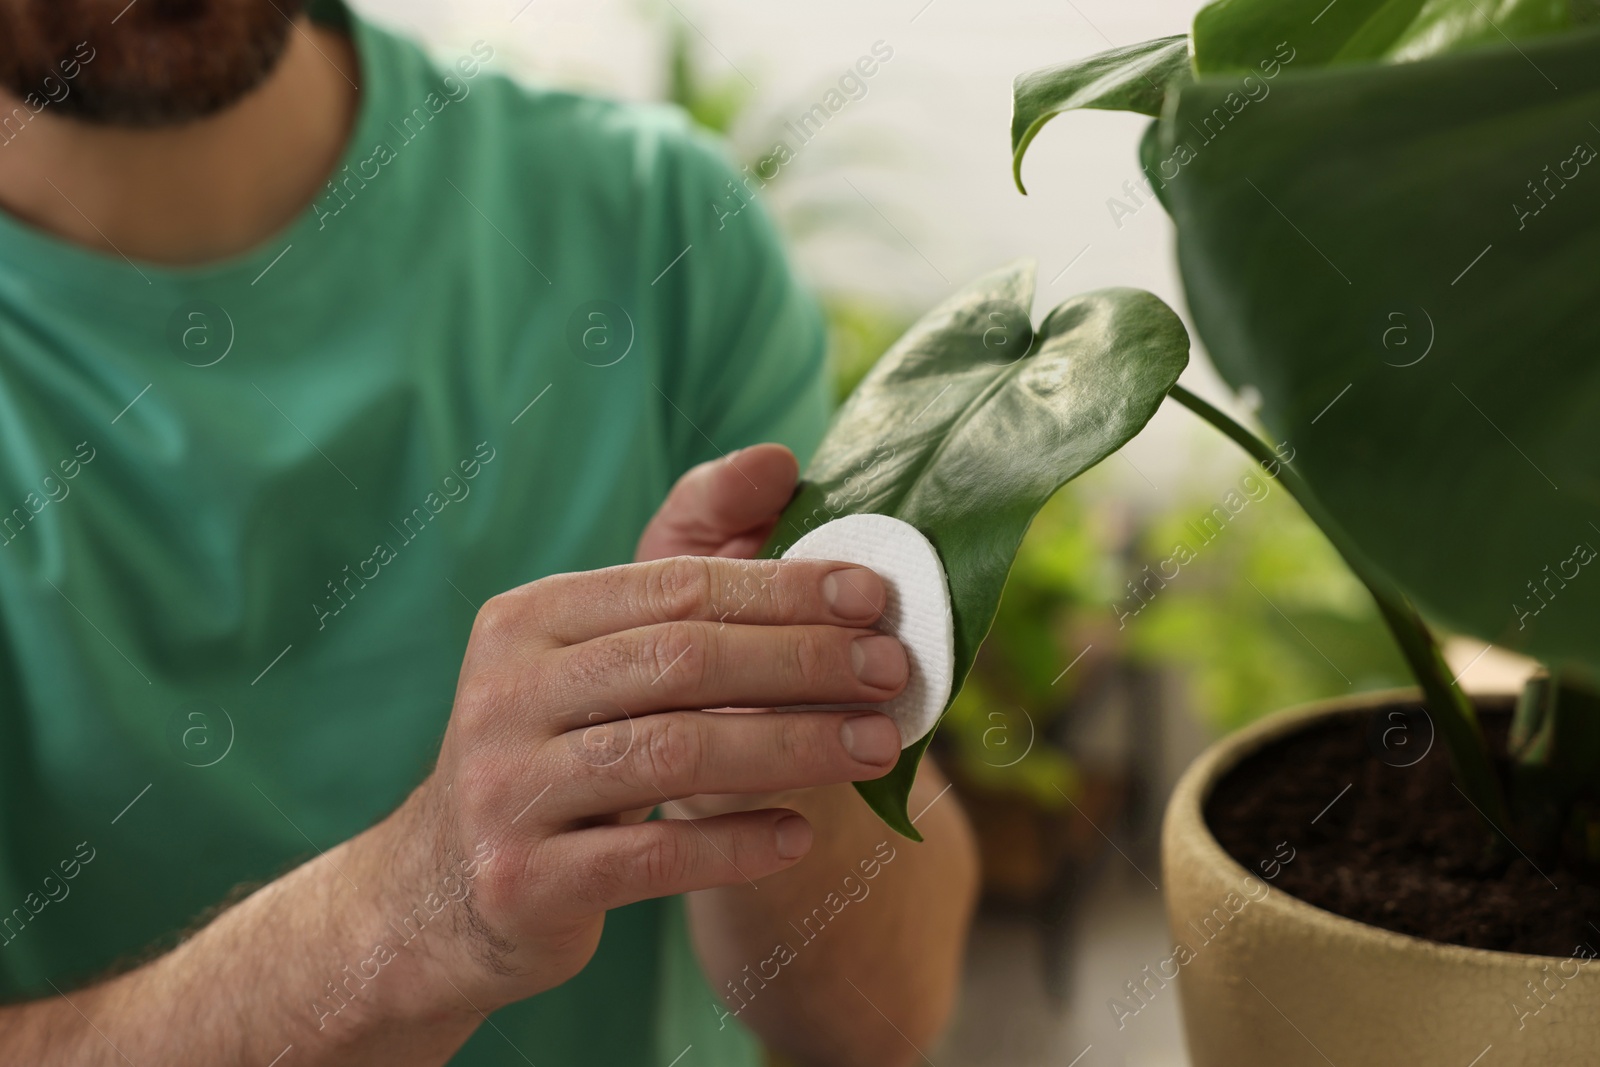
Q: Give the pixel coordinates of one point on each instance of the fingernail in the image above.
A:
(854, 593)
(879, 661)
(871, 738)
(794, 837)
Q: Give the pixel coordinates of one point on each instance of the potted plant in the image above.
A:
(1384, 228)
(1348, 186)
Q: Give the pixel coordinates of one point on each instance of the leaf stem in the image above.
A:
(1457, 721)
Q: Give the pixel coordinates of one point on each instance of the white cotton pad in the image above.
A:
(917, 610)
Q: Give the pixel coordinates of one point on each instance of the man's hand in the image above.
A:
(579, 701)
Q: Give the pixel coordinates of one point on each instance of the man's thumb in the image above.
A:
(737, 497)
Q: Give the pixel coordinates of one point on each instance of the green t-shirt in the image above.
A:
(247, 510)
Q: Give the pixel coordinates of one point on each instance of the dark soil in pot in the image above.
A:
(1402, 848)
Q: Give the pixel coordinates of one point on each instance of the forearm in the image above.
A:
(280, 969)
(853, 955)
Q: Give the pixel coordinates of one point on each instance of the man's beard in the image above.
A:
(162, 62)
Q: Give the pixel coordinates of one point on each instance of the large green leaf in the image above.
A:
(1256, 40)
(1259, 39)
(1401, 258)
(1236, 36)
(1135, 78)
(967, 426)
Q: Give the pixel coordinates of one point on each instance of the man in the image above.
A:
(307, 349)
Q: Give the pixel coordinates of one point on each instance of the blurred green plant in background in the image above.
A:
(1266, 617)
(715, 103)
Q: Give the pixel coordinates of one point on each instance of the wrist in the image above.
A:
(304, 950)
(404, 928)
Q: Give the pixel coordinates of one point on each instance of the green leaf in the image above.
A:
(967, 426)
(1392, 256)
(1237, 36)
(1261, 38)
(1135, 78)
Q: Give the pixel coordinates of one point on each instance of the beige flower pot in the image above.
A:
(1271, 980)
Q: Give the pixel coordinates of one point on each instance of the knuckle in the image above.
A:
(494, 620)
(594, 665)
(497, 689)
(753, 585)
(675, 656)
(600, 881)
(812, 658)
(680, 588)
(484, 778)
(801, 745)
(500, 887)
(666, 860)
(655, 859)
(672, 753)
(601, 744)
(481, 698)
